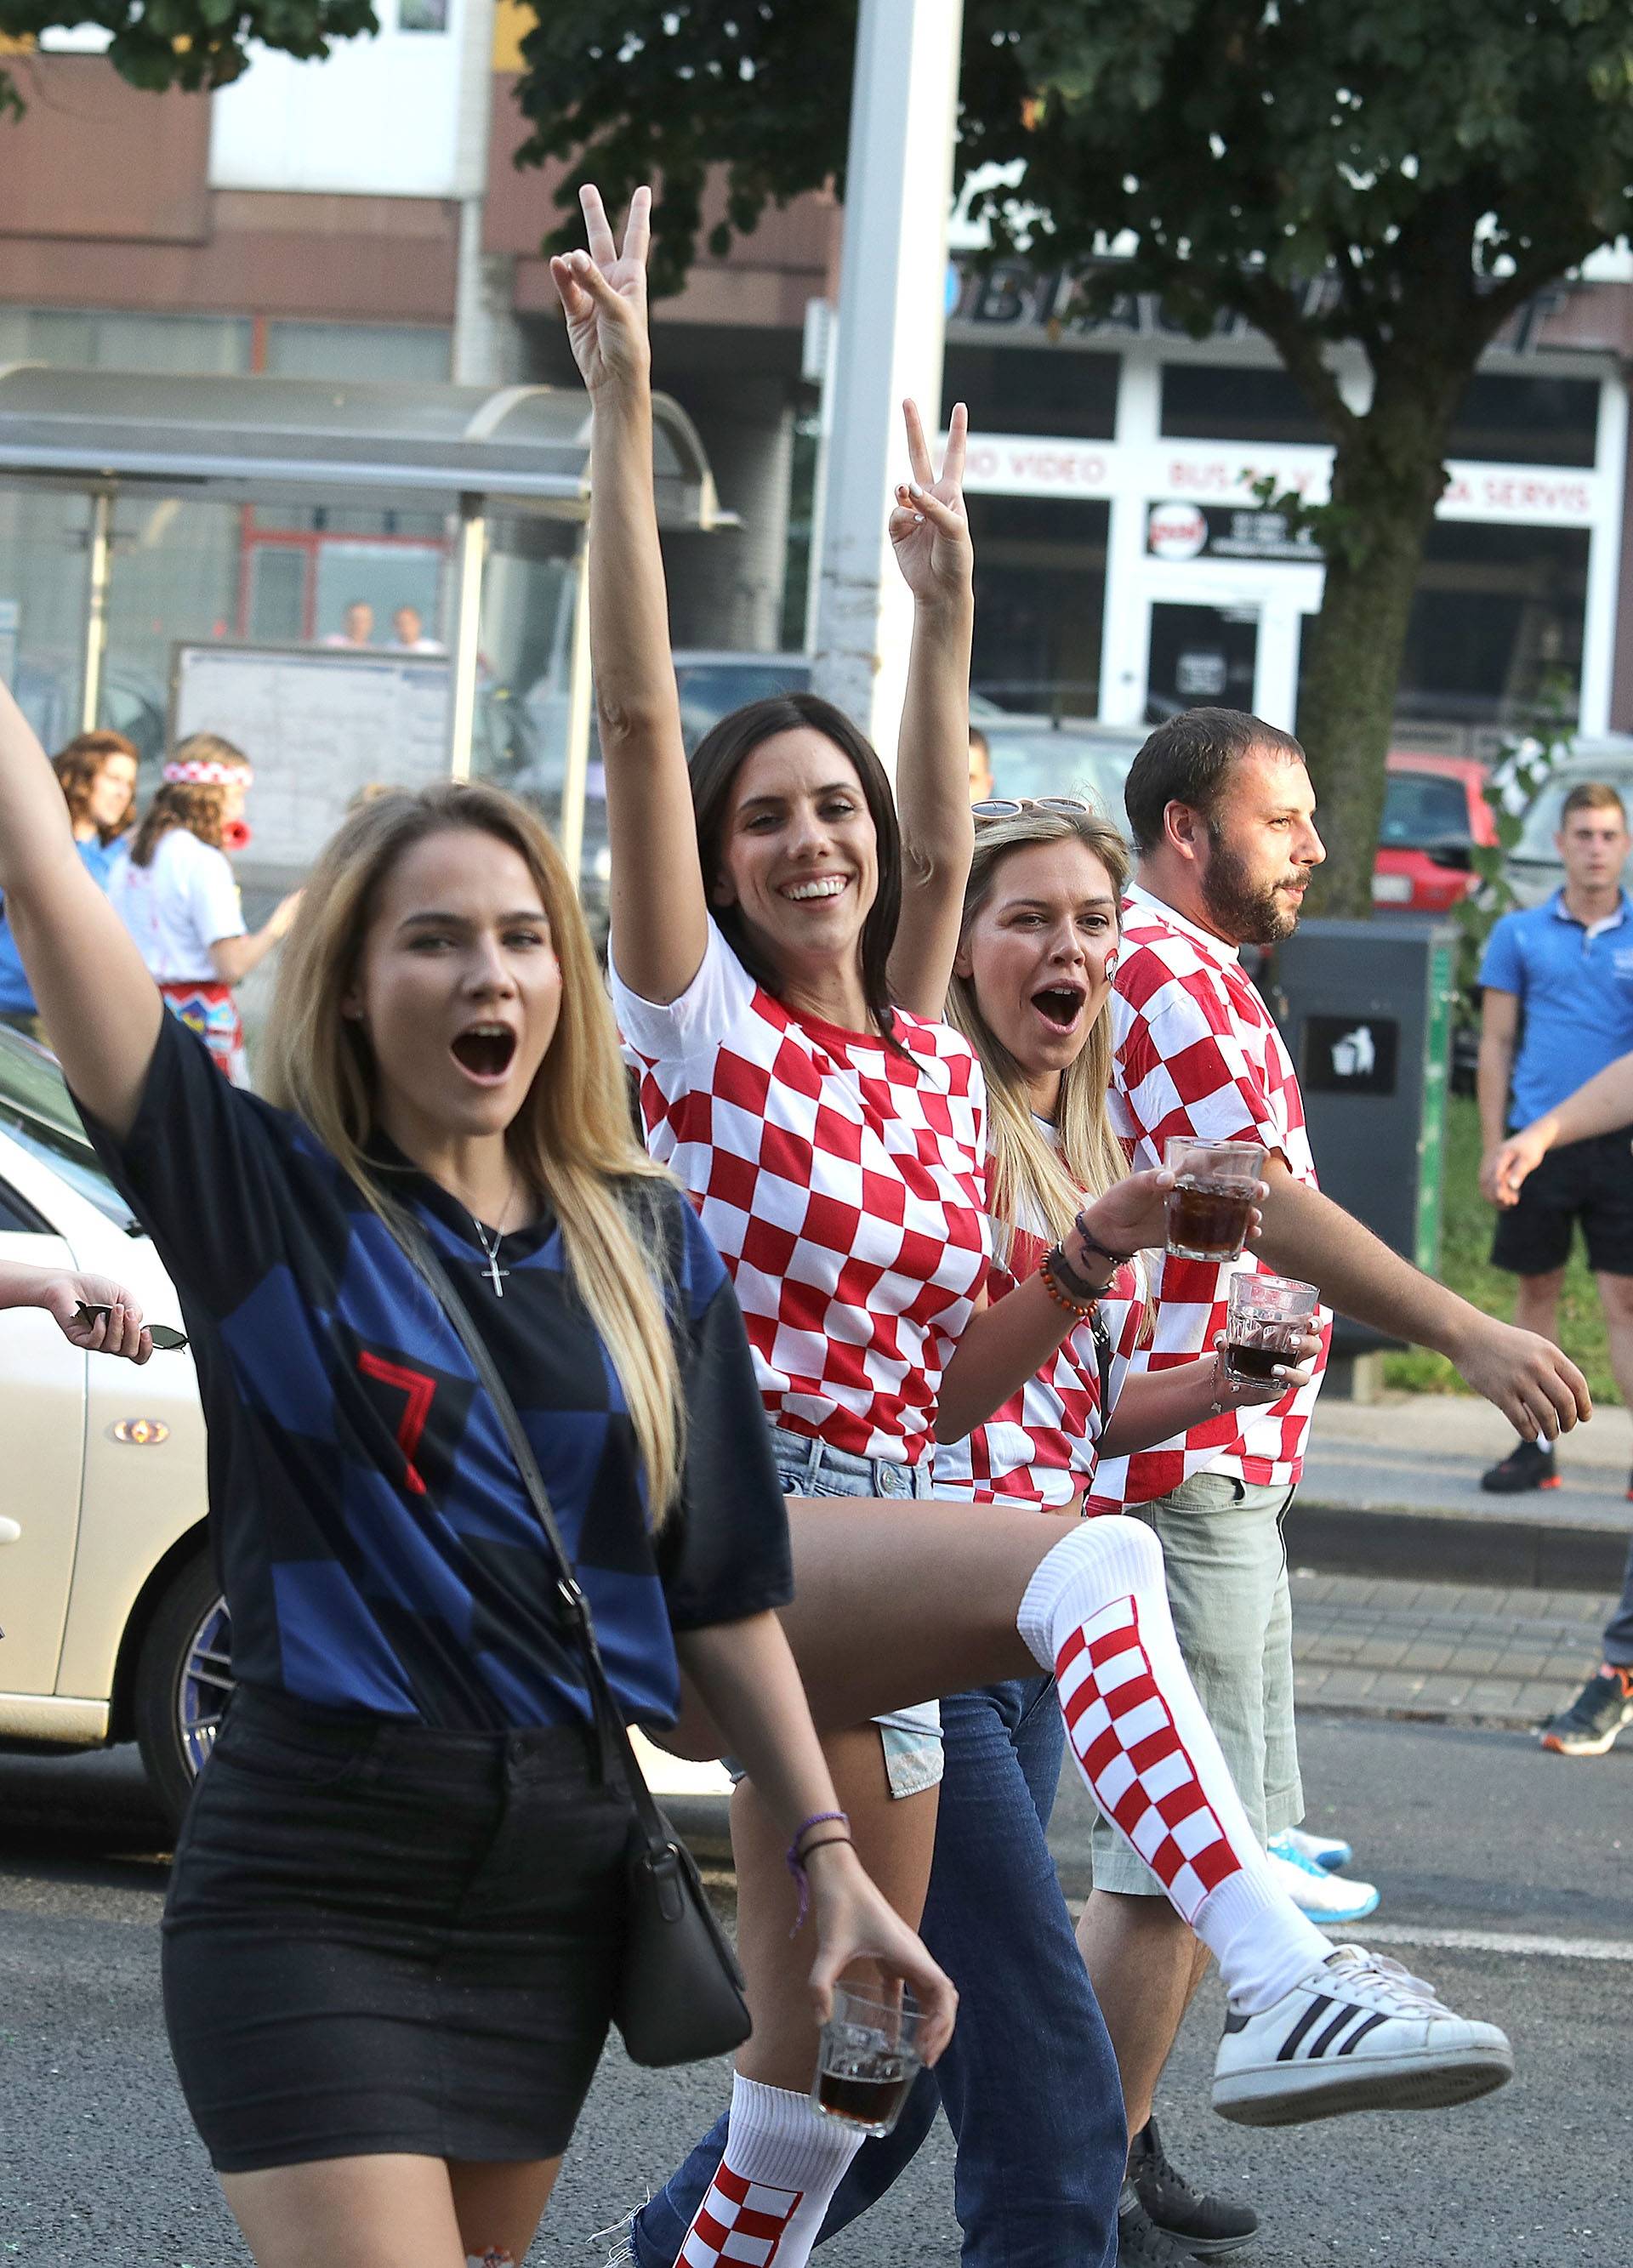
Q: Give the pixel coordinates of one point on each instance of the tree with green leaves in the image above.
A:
(1432, 164)
(196, 44)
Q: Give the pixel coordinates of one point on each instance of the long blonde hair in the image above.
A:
(1029, 1176)
(572, 1139)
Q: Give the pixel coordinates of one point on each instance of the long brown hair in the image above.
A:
(199, 805)
(716, 762)
(571, 1139)
(79, 766)
(1028, 1175)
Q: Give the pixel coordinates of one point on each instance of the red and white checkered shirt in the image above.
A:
(1039, 1447)
(843, 1180)
(1198, 1052)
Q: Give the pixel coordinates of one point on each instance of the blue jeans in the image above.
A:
(1030, 2083)
(1619, 1629)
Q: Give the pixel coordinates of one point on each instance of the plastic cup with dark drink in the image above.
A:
(868, 2061)
(1210, 1206)
(1268, 1315)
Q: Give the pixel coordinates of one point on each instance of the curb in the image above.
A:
(1452, 1547)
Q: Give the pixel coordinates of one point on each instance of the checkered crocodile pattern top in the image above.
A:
(842, 1178)
(1198, 1052)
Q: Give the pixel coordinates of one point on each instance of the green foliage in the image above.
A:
(1444, 157)
(196, 44)
(1466, 1269)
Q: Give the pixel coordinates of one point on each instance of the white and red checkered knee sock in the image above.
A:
(1096, 1612)
(782, 2165)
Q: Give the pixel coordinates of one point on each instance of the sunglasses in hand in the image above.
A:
(165, 1341)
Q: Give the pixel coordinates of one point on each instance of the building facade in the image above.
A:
(363, 218)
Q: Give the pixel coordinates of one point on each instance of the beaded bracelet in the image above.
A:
(1092, 1243)
(1080, 1308)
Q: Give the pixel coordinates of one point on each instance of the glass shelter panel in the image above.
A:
(45, 555)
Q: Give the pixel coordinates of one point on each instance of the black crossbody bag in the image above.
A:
(680, 1996)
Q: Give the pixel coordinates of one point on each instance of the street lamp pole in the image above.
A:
(892, 314)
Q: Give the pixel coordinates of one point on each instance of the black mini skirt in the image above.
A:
(383, 1938)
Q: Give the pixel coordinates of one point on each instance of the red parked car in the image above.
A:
(1435, 813)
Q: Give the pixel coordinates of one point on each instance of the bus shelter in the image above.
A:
(359, 581)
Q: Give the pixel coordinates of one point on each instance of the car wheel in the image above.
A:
(184, 1675)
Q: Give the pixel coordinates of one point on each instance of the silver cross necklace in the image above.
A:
(490, 1252)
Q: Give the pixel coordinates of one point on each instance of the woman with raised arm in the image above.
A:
(395, 1920)
(834, 1136)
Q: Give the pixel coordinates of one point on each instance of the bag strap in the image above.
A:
(617, 1754)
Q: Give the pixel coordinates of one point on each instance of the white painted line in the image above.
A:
(1516, 1942)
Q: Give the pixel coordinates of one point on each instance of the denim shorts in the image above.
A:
(911, 1738)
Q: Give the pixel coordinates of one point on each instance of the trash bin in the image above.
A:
(1366, 1009)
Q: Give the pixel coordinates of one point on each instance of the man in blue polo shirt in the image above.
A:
(1558, 1006)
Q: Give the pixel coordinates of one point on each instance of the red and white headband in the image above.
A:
(207, 771)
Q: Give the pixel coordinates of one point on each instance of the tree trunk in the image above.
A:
(1387, 477)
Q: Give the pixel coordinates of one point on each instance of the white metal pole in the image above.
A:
(1604, 572)
(96, 609)
(892, 321)
(473, 543)
(576, 772)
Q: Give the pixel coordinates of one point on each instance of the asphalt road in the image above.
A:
(1514, 1866)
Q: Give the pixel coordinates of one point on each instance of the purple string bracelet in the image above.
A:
(795, 1862)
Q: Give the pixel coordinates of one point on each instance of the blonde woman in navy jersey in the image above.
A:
(394, 1926)
(831, 1131)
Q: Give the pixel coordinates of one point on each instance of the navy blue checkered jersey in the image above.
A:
(375, 1543)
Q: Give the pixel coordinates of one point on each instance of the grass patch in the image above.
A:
(1466, 1268)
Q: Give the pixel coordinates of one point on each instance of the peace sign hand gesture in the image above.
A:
(603, 294)
(928, 528)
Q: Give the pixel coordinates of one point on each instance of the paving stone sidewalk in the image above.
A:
(1379, 1647)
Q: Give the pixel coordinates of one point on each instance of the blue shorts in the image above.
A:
(911, 1738)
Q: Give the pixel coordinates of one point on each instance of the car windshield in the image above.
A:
(1060, 764)
(1540, 823)
(1420, 808)
(38, 1113)
(710, 690)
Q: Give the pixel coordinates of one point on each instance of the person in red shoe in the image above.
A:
(1600, 1112)
(1558, 1006)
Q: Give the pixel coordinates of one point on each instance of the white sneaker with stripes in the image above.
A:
(1358, 2033)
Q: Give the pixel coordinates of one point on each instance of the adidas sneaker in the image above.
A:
(1358, 2033)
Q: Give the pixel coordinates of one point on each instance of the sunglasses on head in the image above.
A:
(1011, 807)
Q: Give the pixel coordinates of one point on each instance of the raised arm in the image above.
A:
(660, 912)
(98, 1003)
(932, 541)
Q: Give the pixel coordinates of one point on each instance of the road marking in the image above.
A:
(1518, 1943)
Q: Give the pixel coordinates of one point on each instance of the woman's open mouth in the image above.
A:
(484, 1051)
(1060, 1005)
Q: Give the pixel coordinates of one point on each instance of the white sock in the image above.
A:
(782, 2165)
(1096, 1613)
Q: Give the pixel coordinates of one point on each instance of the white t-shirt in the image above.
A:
(178, 907)
(844, 1181)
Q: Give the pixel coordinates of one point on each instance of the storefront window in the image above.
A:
(1495, 623)
(1527, 421)
(209, 346)
(1039, 596)
(389, 351)
(1053, 390)
(1218, 401)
